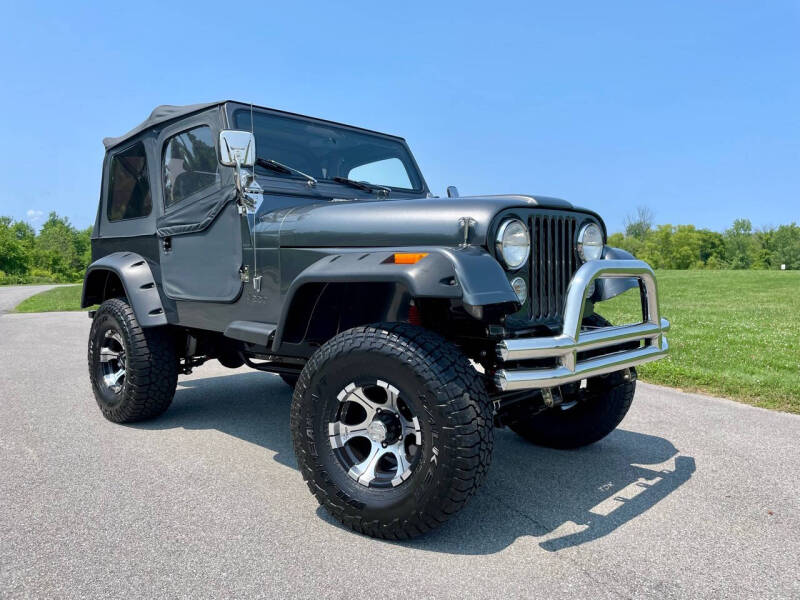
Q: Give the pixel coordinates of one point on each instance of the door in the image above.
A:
(200, 232)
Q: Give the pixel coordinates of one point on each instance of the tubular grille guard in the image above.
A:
(565, 347)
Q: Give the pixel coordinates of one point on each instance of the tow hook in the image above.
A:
(551, 397)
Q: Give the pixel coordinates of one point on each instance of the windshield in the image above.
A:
(327, 151)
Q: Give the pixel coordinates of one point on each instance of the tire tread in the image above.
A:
(462, 398)
(151, 367)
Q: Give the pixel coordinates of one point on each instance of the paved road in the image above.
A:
(11, 295)
(691, 497)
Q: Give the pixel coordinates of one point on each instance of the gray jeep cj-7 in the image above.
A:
(409, 325)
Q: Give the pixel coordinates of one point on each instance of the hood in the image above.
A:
(413, 222)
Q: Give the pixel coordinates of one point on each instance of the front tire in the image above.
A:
(133, 371)
(392, 429)
(577, 423)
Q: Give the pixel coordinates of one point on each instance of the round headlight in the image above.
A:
(513, 243)
(590, 242)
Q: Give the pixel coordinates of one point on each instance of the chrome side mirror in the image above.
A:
(237, 148)
(452, 191)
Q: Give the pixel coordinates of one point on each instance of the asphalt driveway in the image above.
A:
(11, 295)
(691, 497)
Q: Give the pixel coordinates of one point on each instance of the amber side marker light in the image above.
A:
(408, 258)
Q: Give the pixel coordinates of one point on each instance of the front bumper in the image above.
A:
(564, 348)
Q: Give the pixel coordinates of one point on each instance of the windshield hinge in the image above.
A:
(244, 273)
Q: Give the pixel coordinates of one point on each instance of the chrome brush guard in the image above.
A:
(566, 346)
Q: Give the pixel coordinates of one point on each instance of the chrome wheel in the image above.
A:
(375, 436)
(112, 361)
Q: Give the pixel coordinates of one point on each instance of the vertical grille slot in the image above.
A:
(552, 265)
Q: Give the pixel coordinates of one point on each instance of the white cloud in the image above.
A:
(34, 215)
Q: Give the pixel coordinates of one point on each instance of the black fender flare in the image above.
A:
(468, 274)
(137, 279)
(609, 288)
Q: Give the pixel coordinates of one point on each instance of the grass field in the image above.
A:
(57, 299)
(734, 333)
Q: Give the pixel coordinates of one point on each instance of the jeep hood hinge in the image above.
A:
(466, 223)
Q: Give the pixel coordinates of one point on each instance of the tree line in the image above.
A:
(60, 253)
(687, 247)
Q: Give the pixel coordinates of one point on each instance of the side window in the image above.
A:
(190, 164)
(129, 187)
(389, 171)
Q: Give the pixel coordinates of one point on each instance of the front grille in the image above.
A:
(554, 260)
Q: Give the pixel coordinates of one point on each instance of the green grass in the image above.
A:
(58, 299)
(734, 334)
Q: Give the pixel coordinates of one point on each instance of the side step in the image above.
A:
(252, 332)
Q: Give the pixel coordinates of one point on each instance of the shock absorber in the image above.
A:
(414, 317)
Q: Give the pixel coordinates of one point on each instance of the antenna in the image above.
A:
(256, 276)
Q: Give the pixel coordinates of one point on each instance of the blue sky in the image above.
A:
(690, 108)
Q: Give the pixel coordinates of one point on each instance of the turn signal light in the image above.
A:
(408, 258)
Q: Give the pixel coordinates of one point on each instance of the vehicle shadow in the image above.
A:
(251, 406)
(565, 498)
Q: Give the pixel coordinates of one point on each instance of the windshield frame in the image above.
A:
(325, 184)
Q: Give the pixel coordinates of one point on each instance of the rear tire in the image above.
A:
(133, 371)
(606, 402)
(421, 441)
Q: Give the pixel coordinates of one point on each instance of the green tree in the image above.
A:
(61, 249)
(742, 249)
(629, 244)
(638, 226)
(712, 249)
(784, 247)
(14, 257)
(24, 233)
(59, 252)
(658, 247)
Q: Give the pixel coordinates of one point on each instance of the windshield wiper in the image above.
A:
(367, 187)
(274, 165)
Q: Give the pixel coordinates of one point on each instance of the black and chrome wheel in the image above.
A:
(392, 429)
(133, 371)
(112, 361)
(376, 437)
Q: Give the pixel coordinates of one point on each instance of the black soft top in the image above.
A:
(168, 112)
(160, 114)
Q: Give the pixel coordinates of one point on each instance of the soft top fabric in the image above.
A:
(161, 114)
